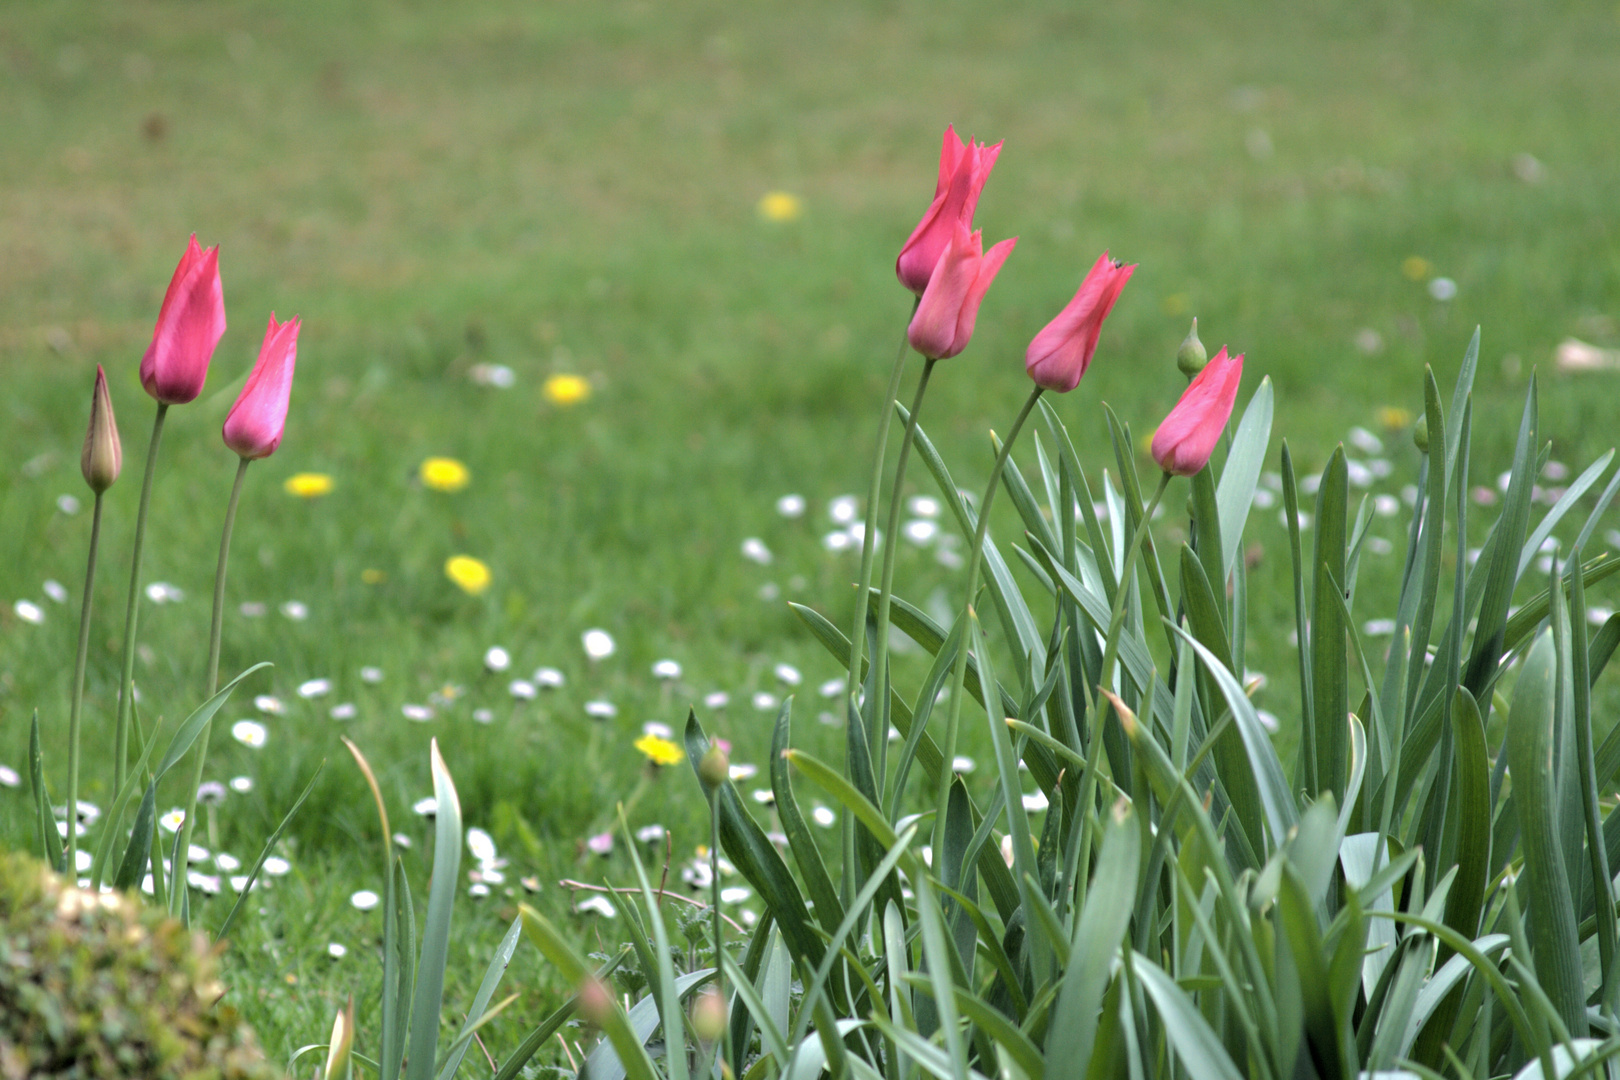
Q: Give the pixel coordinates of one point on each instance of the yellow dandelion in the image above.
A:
(567, 389)
(659, 750)
(1416, 267)
(1394, 417)
(372, 576)
(469, 573)
(308, 485)
(780, 206)
(444, 474)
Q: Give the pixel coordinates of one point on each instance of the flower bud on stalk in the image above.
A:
(709, 1016)
(1183, 443)
(1420, 435)
(103, 457)
(714, 768)
(595, 1001)
(1058, 356)
(1191, 357)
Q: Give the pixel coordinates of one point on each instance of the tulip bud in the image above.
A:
(709, 1016)
(1420, 434)
(714, 768)
(341, 1046)
(189, 326)
(1183, 443)
(1191, 357)
(102, 458)
(595, 1001)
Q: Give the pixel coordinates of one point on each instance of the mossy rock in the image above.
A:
(102, 986)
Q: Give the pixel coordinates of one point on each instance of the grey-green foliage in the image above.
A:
(1409, 897)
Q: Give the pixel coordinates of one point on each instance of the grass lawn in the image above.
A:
(572, 188)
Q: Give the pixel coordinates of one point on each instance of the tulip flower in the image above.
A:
(254, 425)
(1061, 352)
(103, 457)
(1187, 437)
(189, 326)
(963, 169)
(943, 323)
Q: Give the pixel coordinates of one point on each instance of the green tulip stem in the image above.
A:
(126, 686)
(1127, 574)
(876, 739)
(714, 909)
(214, 633)
(78, 691)
(958, 682)
(874, 492)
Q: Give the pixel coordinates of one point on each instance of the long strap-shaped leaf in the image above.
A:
(429, 997)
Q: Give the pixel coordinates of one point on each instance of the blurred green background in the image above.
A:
(571, 187)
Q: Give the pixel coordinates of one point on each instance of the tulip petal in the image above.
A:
(1183, 444)
(1058, 356)
(254, 426)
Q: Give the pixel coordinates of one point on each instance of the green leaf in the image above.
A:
(1502, 573)
(1565, 503)
(1235, 492)
(1530, 741)
(1200, 1050)
(113, 828)
(50, 843)
(187, 732)
(1072, 1032)
(828, 910)
(662, 992)
(1329, 669)
(628, 1045)
(429, 996)
(139, 851)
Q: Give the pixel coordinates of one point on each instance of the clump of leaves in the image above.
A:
(99, 984)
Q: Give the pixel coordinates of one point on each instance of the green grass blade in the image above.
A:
(1565, 503)
(1302, 627)
(139, 851)
(1459, 396)
(663, 993)
(264, 853)
(428, 998)
(1597, 853)
(1329, 670)
(187, 733)
(1235, 493)
(486, 990)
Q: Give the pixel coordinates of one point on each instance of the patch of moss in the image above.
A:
(103, 986)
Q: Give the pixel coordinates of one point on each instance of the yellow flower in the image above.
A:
(372, 576)
(444, 474)
(1394, 417)
(469, 573)
(566, 389)
(780, 206)
(308, 485)
(1416, 267)
(659, 750)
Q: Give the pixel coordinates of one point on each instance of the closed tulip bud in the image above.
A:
(189, 326)
(714, 768)
(1191, 357)
(963, 169)
(709, 1016)
(102, 458)
(340, 1048)
(255, 423)
(595, 1001)
(1061, 352)
(1183, 443)
(943, 323)
(1420, 434)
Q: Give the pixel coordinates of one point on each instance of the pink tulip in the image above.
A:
(254, 425)
(943, 324)
(1062, 351)
(963, 169)
(1187, 437)
(189, 325)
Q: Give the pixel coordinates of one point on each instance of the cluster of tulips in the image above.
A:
(189, 327)
(944, 263)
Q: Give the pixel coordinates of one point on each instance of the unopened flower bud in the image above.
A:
(102, 458)
(715, 767)
(595, 1001)
(709, 1016)
(1420, 434)
(1191, 357)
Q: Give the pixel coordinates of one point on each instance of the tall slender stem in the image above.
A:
(78, 692)
(714, 904)
(126, 687)
(878, 740)
(214, 633)
(953, 715)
